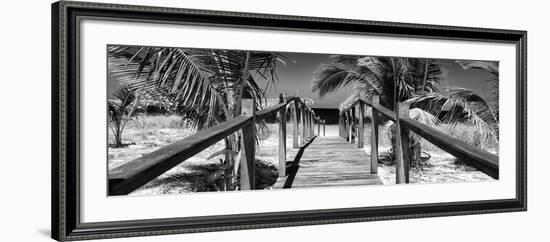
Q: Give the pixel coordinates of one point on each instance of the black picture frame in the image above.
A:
(65, 220)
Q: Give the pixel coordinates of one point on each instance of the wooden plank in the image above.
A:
(374, 138)
(329, 161)
(134, 174)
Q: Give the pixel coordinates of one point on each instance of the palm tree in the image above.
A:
(461, 105)
(119, 112)
(210, 82)
(378, 75)
(491, 67)
(393, 79)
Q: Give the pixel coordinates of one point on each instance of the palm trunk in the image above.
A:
(118, 140)
(118, 135)
(244, 78)
(414, 147)
(415, 155)
(414, 144)
(425, 75)
(232, 141)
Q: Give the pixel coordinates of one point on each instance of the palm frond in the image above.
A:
(329, 78)
(204, 79)
(489, 66)
(492, 67)
(424, 117)
(460, 106)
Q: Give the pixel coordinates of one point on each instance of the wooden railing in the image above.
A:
(136, 173)
(349, 130)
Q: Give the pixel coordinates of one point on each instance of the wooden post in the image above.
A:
(282, 138)
(348, 126)
(346, 120)
(248, 157)
(402, 145)
(309, 125)
(324, 127)
(343, 115)
(361, 125)
(340, 124)
(312, 125)
(312, 121)
(295, 128)
(303, 120)
(305, 125)
(318, 127)
(374, 138)
(351, 125)
(306, 132)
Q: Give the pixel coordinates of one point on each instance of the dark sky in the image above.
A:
(295, 76)
(298, 76)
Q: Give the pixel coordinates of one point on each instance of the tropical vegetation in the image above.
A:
(209, 83)
(120, 112)
(417, 82)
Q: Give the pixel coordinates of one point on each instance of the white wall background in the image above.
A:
(25, 120)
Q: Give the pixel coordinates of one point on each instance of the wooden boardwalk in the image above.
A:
(327, 161)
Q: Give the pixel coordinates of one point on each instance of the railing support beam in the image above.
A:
(248, 152)
(351, 126)
(347, 121)
(282, 138)
(303, 120)
(318, 127)
(402, 145)
(374, 138)
(295, 125)
(361, 125)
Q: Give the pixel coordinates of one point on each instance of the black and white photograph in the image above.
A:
(372, 121)
(187, 120)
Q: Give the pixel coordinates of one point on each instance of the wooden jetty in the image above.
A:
(315, 160)
(328, 161)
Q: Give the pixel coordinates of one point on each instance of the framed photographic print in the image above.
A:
(168, 120)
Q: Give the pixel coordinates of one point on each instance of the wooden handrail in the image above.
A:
(478, 158)
(136, 173)
(270, 111)
(472, 155)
